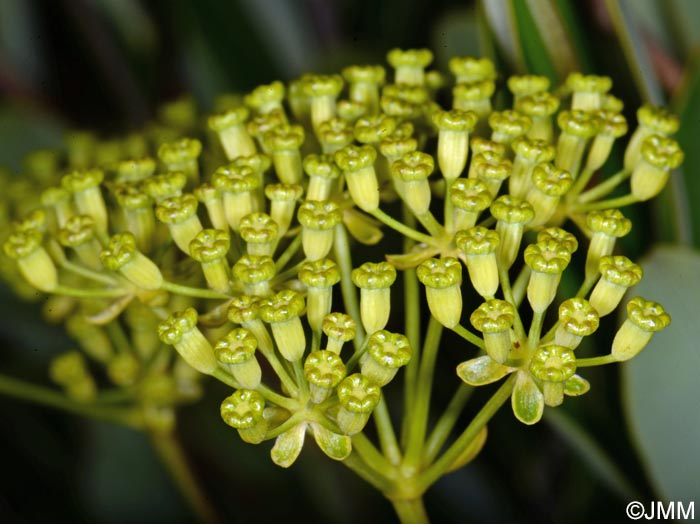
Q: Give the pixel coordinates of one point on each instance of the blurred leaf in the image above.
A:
(687, 105)
(455, 33)
(501, 18)
(660, 385)
(533, 47)
(18, 45)
(23, 130)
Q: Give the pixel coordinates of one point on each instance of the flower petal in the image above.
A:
(288, 446)
(576, 385)
(482, 370)
(527, 400)
(336, 446)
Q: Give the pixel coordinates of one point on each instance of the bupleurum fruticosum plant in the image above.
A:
(237, 258)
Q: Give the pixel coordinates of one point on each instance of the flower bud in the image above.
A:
(122, 255)
(606, 226)
(373, 129)
(322, 91)
(386, 353)
(137, 208)
(255, 273)
(588, 91)
(231, 129)
(508, 125)
(357, 163)
(374, 281)
(33, 261)
(547, 260)
(244, 411)
(283, 199)
(577, 319)
(238, 186)
(491, 170)
(79, 234)
(644, 318)
(474, 96)
(319, 277)
(282, 312)
(652, 121)
(549, 184)
(469, 197)
(70, 371)
(611, 126)
(179, 213)
(442, 278)
(577, 127)
(524, 85)
(409, 65)
(339, 328)
(266, 98)
(318, 220)
(180, 330)
(413, 171)
(468, 69)
(529, 153)
(617, 275)
(553, 365)
(260, 233)
(334, 135)
(85, 187)
(284, 143)
(494, 318)
(479, 246)
(659, 156)
(181, 155)
(160, 187)
(559, 235)
(364, 83)
(58, 200)
(512, 215)
(210, 248)
(135, 170)
(323, 370)
(358, 397)
(261, 124)
(540, 107)
(323, 173)
(236, 351)
(453, 140)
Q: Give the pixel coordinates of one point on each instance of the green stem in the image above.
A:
(580, 183)
(342, 255)
(520, 285)
(446, 422)
(604, 188)
(88, 273)
(267, 349)
(194, 291)
(440, 466)
(284, 402)
(370, 454)
(508, 295)
(431, 224)
(533, 338)
(419, 413)
(288, 253)
(385, 430)
(402, 228)
(300, 380)
(595, 361)
(468, 336)
(89, 293)
(410, 511)
(173, 457)
(48, 397)
(611, 203)
(355, 463)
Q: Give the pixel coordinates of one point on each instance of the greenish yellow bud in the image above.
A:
(468, 69)
(123, 370)
(322, 91)
(210, 248)
(92, 338)
(260, 233)
(442, 278)
(137, 209)
(319, 276)
(577, 319)
(644, 318)
(611, 126)
(85, 187)
(236, 351)
(284, 143)
(398, 107)
(180, 330)
(181, 155)
(135, 169)
(659, 156)
(210, 196)
(339, 328)
(512, 214)
(42, 164)
(525, 85)
(617, 275)
(553, 365)
(549, 184)
(79, 234)
(283, 199)
(262, 124)
(318, 220)
(577, 127)
(386, 353)
(454, 127)
(547, 260)
(58, 200)
(372, 129)
(322, 172)
(540, 107)
(357, 163)
(350, 111)
(179, 213)
(364, 83)
(479, 246)
(70, 371)
(508, 125)
(266, 98)
(323, 371)
(606, 227)
(652, 121)
(409, 65)
(121, 254)
(244, 411)
(470, 197)
(588, 90)
(160, 187)
(238, 185)
(231, 129)
(282, 312)
(374, 281)
(494, 319)
(491, 170)
(81, 147)
(559, 235)
(33, 261)
(528, 154)
(334, 134)
(474, 96)
(395, 146)
(243, 310)
(413, 170)
(358, 397)
(255, 272)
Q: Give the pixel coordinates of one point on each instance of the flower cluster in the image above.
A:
(232, 245)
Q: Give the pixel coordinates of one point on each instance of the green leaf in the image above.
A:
(471, 451)
(501, 19)
(481, 371)
(660, 386)
(337, 447)
(288, 446)
(527, 400)
(363, 228)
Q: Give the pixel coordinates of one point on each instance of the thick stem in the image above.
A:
(410, 511)
(342, 255)
(446, 422)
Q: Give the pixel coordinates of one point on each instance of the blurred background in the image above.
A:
(109, 65)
